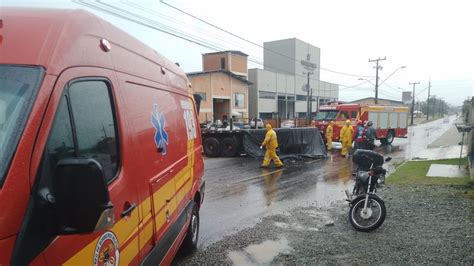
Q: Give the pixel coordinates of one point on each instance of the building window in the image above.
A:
(343, 115)
(354, 114)
(266, 115)
(222, 63)
(301, 114)
(301, 98)
(266, 95)
(202, 94)
(239, 100)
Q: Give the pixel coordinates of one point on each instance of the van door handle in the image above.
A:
(128, 211)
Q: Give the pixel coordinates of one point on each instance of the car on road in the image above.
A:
(288, 124)
(256, 123)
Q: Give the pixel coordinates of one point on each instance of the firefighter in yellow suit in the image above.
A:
(347, 131)
(271, 144)
(329, 135)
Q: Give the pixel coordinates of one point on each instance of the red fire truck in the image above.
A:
(389, 121)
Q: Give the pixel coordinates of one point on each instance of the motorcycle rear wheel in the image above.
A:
(371, 220)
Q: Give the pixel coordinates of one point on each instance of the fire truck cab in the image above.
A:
(389, 121)
(100, 150)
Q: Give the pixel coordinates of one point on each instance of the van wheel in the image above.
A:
(192, 236)
(229, 147)
(212, 147)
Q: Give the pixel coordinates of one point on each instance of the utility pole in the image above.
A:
(376, 100)
(309, 67)
(308, 97)
(428, 101)
(413, 100)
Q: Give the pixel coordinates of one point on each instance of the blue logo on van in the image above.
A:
(161, 136)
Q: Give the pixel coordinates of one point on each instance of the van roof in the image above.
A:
(61, 38)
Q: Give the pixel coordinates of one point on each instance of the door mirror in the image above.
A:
(197, 99)
(388, 159)
(82, 198)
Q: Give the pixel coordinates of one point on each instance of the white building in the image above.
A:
(280, 88)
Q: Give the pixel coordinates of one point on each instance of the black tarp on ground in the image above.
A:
(294, 143)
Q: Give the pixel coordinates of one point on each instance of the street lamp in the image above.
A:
(377, 85)
(367, 81)
(395, 71)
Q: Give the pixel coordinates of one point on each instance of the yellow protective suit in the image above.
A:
(271, 144)
(345, 136)
(329, 135)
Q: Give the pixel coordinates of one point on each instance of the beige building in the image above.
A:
(222, 85)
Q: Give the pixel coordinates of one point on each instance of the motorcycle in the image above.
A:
(367, 210)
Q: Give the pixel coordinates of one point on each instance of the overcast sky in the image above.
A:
(432, 38)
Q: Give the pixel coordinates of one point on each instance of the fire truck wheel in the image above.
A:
(389, 138)
(229, 147)
(191, 239)
(211, 147)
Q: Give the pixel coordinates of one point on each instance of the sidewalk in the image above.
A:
(444, 147)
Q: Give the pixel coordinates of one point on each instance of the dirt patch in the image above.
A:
(424, 225)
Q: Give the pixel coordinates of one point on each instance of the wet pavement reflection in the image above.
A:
(239, 193)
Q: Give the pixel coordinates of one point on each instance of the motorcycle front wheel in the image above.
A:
(372, 218)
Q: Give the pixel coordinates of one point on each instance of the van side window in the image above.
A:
(84, 127)
(61, 143)
(94, 124)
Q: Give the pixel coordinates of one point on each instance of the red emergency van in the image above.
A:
(101, 155)
(389, 121)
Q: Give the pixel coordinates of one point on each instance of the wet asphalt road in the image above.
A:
(239, 193)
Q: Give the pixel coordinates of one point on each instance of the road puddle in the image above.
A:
(260, 254)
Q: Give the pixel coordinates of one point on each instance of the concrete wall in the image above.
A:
(238, 64)
(282, 84)
(285, 56)
(253, 93)
(302, 49)
(212, 62)
(470, 140)
(278, 56)
(235, 63)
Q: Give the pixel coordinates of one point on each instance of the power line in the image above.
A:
(251, 42)
(391, 87)
(176, 21)
(350, 87)
(146, 22)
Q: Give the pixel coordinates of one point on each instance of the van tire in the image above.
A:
(212, 147)
(192, 235)
(229, 147)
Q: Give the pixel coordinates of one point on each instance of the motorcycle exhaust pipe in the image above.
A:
(348, 195)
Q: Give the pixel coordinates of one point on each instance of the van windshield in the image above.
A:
(326, 115)
(18, 88)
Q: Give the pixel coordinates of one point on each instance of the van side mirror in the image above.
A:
(82, 197)
(197, 99)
